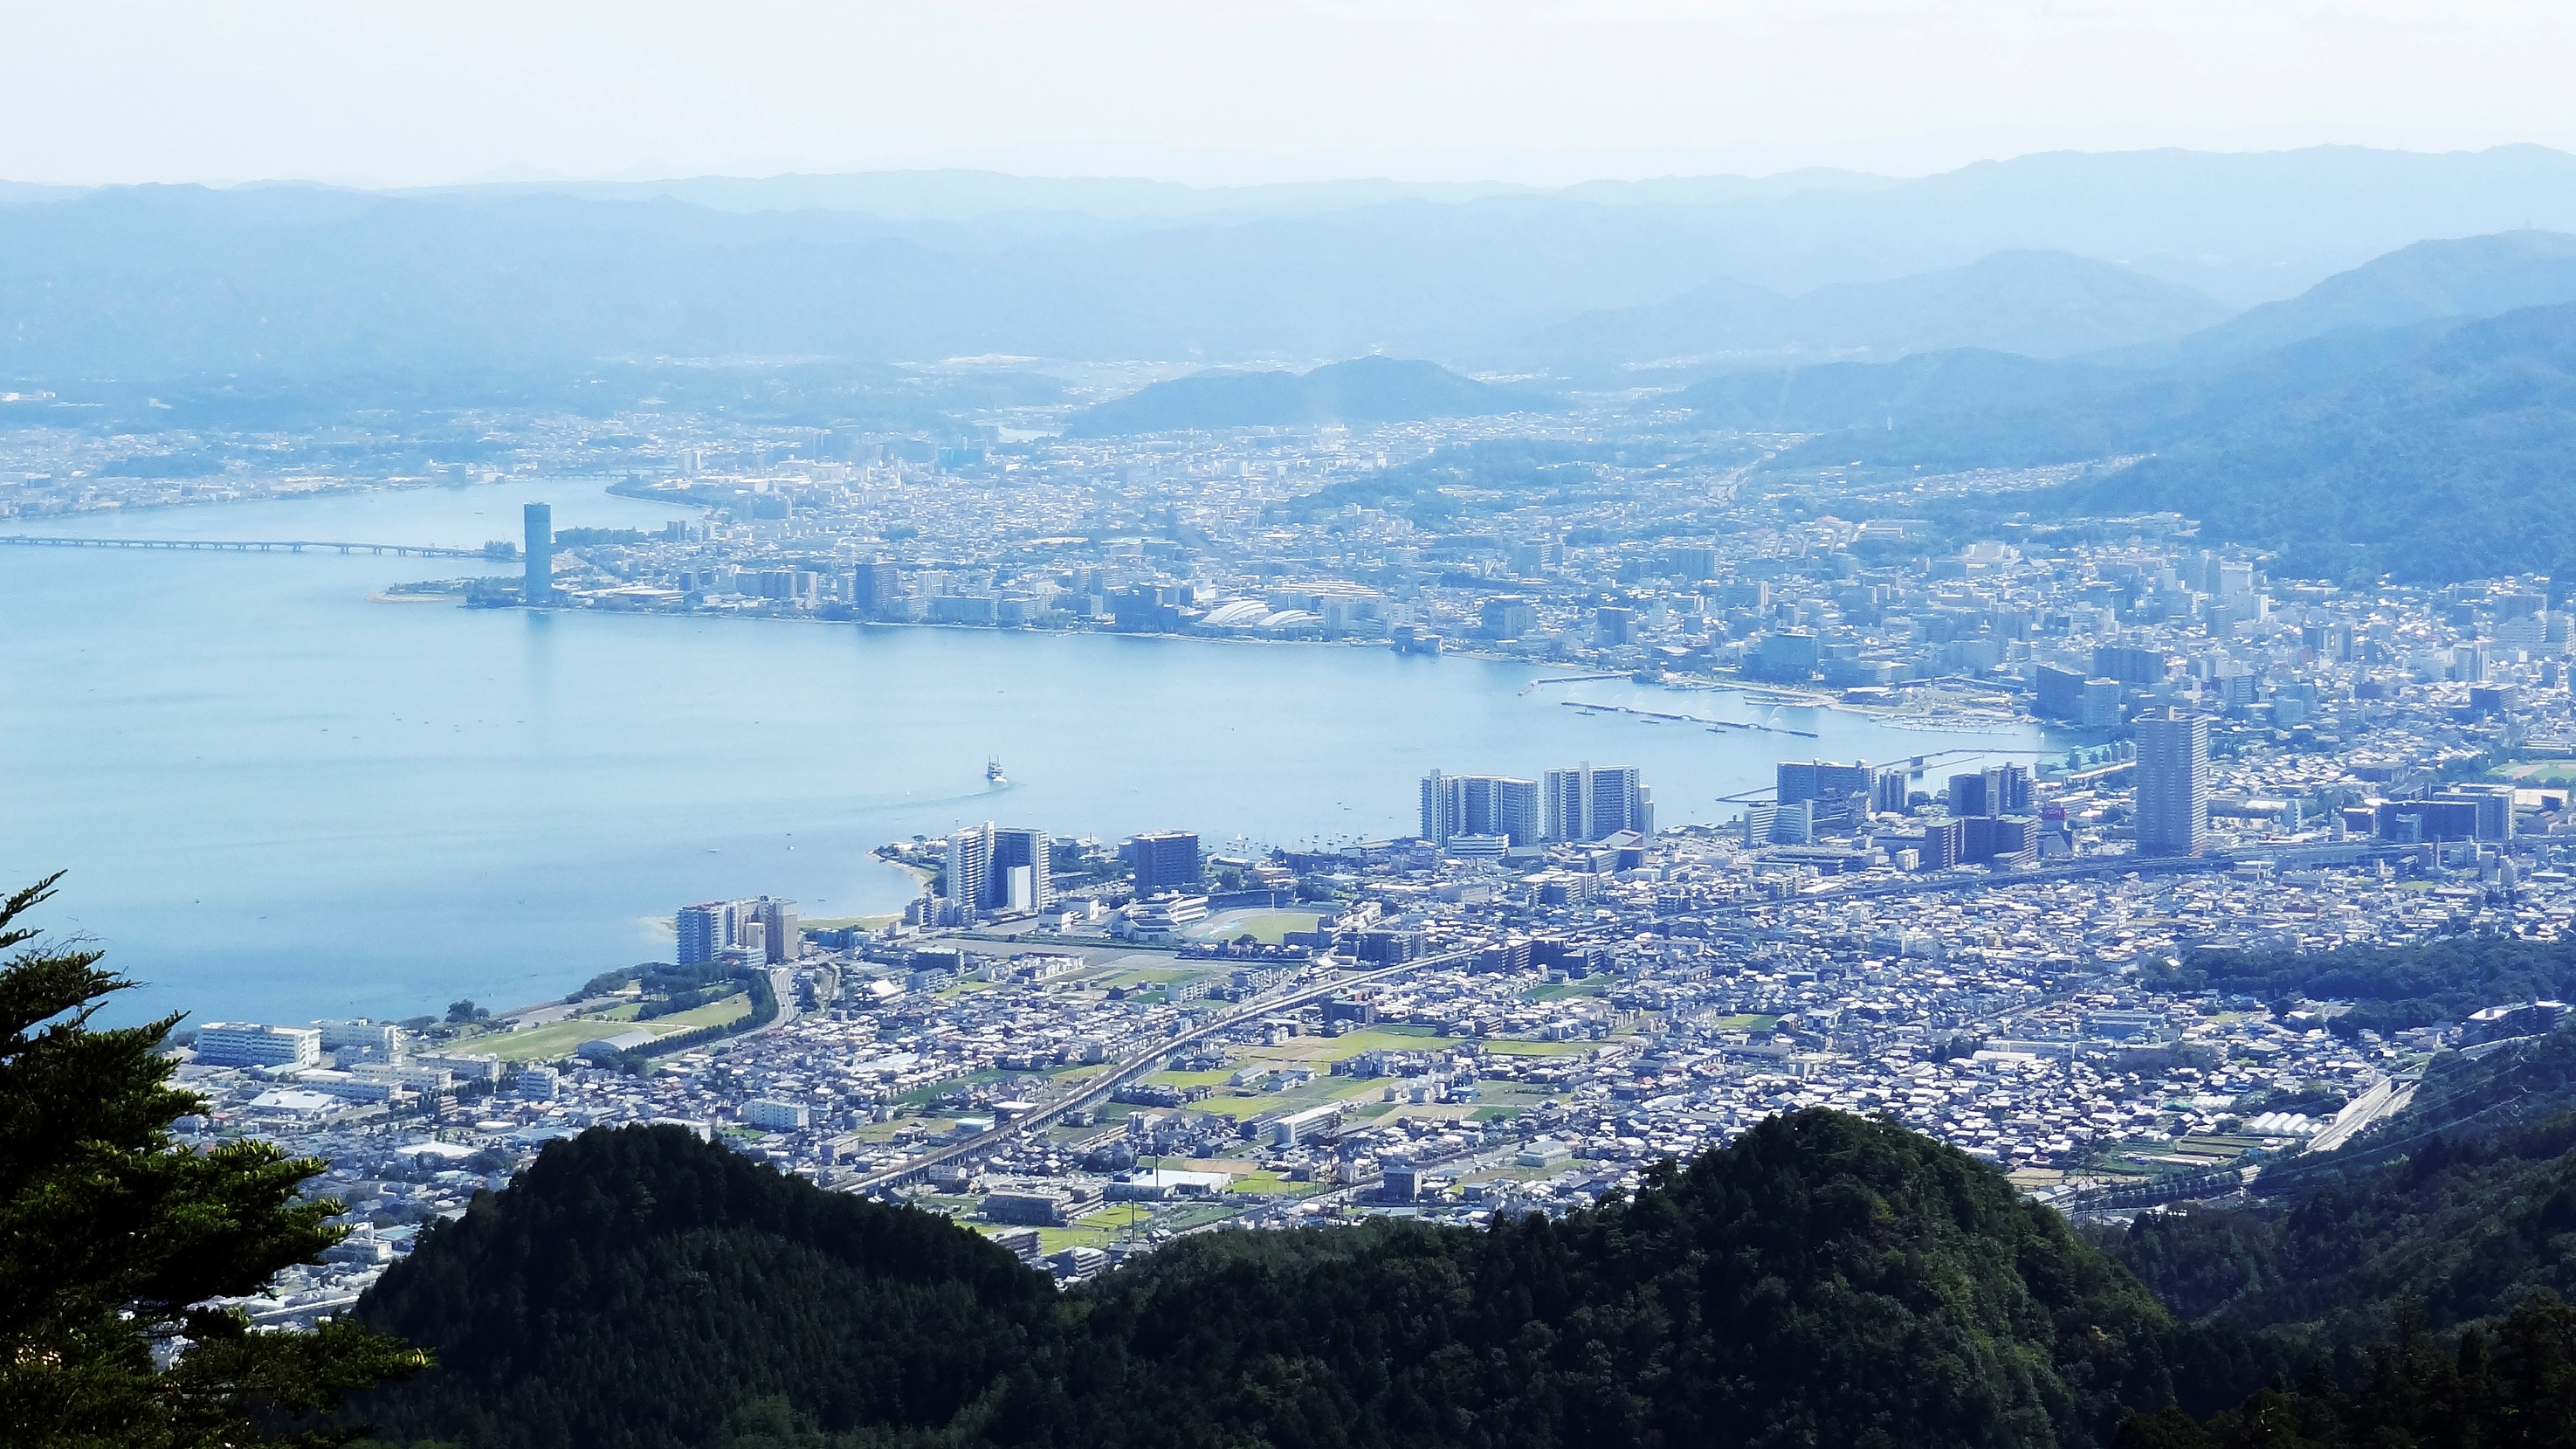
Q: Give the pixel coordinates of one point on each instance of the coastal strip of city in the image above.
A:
(1084, 1048)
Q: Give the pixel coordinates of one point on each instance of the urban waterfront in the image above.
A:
(280, 798)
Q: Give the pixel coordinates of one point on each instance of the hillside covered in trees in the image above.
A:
(1823, 1280)
(2411, 416)
(2454, 1212)
(2387, 988)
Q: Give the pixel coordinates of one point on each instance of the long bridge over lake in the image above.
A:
(245, 545)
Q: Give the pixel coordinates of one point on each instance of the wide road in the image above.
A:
(2385, 1099)
(1128, 1069)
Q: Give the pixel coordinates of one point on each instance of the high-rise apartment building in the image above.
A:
(539, 523)
(1995, 790)
(970, 859)
(1164, 860)
(1001, 870)
(1586, 803)
(2173, 783)
(780, 938)
(1018, 877)
(703, 930)
(2057, 693)
(1821, 780)
(1945, 843)
(2129, 664)
(873, 589)
(1480, 805)
(1891, 792)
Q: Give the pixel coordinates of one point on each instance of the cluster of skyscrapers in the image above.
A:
(996, 870)
(762, 928)
(991, 871)
(1990, 814)
(1491, 815)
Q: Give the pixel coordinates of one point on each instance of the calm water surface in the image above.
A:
(279, 799)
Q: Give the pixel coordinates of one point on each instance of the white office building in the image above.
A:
(771, 1115)
(250, 1044)
(361, 1040)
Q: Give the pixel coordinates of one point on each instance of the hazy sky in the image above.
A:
(1213, 90)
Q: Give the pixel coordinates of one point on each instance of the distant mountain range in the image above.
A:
(2479, 276)
(1362, 390)
(2244, 227)
(2386, 420)
(2455, 461)
(1838, 395)
(2046, 255)
(2039, 304)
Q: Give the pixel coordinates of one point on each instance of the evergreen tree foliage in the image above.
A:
(1826, 1279)
(2502, 1385)
(2391, 988)
(2455, 1211)
(111, 1235)
(638, 1287)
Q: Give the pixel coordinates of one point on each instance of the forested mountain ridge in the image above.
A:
(2034, 303)
(2387, 989)
(637, 1287)
(2462, 277)
(2433, 451)
(1835, 396)
(1825, 1279)
(2447, 463)
(2455, 1210)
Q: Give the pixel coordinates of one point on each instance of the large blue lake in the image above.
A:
(279, 799)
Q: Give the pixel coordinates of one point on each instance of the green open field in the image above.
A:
(1137, 977)
(930, 1090)
(714, 1013)
(1264, 926)
(562, 1038)
(1351, 1043)
(1538, 1048)
(1214, 1078)
(1557, 990)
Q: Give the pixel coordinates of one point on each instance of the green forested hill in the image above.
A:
(1825, 1280)
(636, 1288)
(2458, 1209)
(2446, 464)
(2436, 450)
(2425, 1269)
(2389, 988)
